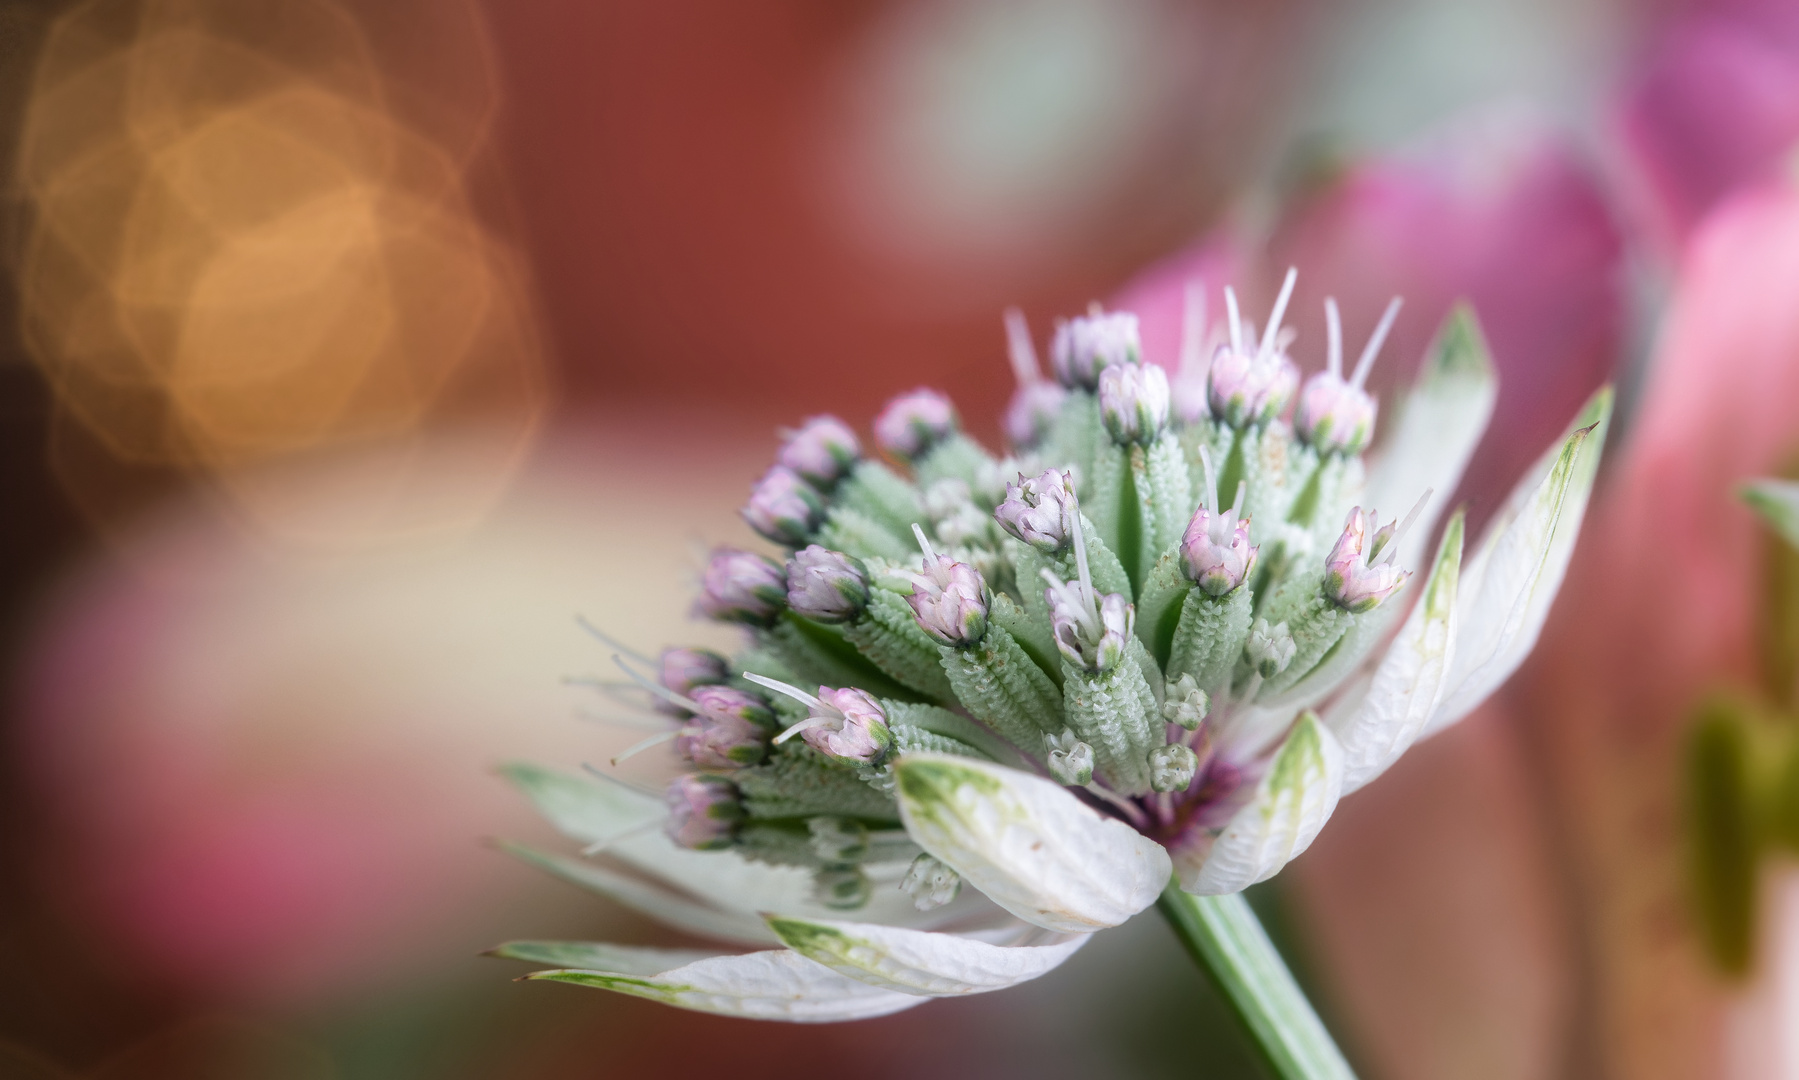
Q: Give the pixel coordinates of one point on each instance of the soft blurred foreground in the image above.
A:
(362, 347)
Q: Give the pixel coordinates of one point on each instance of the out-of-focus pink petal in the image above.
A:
(1714, 106)
(1158, 295)
(1659, 607)
(1441, 936)
(1501, 211)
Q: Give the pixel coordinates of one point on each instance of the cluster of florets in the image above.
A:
(1107, 606)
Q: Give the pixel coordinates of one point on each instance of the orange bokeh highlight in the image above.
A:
(255, 248)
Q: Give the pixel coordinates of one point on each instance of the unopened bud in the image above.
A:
(1070, 760)
(783, 507)
(1032, 411)
(742, 586)
(1270, 648)
(1216, 553)
(731, 728)
(1185, 703)
(704, 812)
(1250, 387)
(1088, 344)
(847, 726)
(1040, 511)
(1133, 402)
(684, 669)
(1171, 767)
(930, 883)
(1333, 416)
(821, 451)
(1357, 579)
(950, 600)
(913, 422)
(826, 586)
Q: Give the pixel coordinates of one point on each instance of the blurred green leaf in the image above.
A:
(1722, 833)
(1777, 501)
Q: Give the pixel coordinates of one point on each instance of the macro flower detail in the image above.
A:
(1040, 511)
(1133, 401)
(821, 451)
(742, 586)
(1162, 656)
(914, 422)
(1086, 345)
(1250, 382)
(1037, 401)
(681, 670)
(826, 586)
(783, 507)
(1334, 415)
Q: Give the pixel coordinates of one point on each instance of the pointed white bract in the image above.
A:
(928, 774)
(1029, 845)
(915, 962)
(1292, 801)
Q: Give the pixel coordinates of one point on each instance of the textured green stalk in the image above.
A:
(1230, 946)
(889, 635)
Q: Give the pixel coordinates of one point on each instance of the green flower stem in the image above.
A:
(1230, 946)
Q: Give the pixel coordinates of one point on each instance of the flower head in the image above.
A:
(846, 725)
(681, 670)
(1360, 572)
(1090, 630)
(728, 731)
(704, 812)
(1216, 553)
(822, 450)
(1070, 760)
(1133, 402)
(930, 883)
(1251, 383)
(1185, 703)
(1171, 767)
(783, 507)
(826, 586)
(742, 586)
(950, 599)
(1033, 409)
(1336, 415)
(914, 422)
(1270, 648)
(1040, 511)
(1088, 344)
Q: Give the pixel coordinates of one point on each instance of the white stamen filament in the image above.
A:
(1208, 498)
(1193, 331)
(654, 740)
(780, 687)
(930, 553)
(1391, 550)
(614, 778)
(1019, 349)
(611, 642)
(1280, 309)
(658, 689)
(1080, 559)
(1237, 503)
(1236, 317)
(1333, 328)
(804, 725)
(641, 723)
(1366, 363)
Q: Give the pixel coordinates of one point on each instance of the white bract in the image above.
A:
(1157, 652)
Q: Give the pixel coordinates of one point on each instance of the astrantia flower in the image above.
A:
(821, 451)
(1021, 732)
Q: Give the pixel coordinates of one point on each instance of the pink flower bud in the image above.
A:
(783, 507)
(742, 586)
(826, 586)
(1089, 634)
(1250, 387)
(703, 812)
(684, 670)
(821, 451)
(913, 422)
(1033, 409)
(950, 600)
(1133, 401)
(1216, 553)
(1087, 344)
(1334, 416)
(1350, 579)
(852, 727)
(1040, 511)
